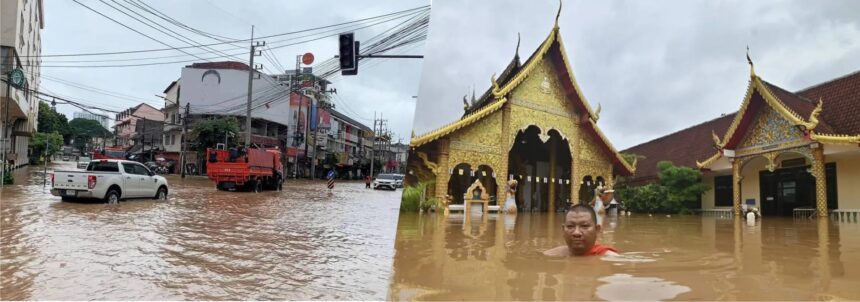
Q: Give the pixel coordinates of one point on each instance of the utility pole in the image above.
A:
(250, 86)
(182, 139)
(373, 149)
(143, 138)
(252, 69)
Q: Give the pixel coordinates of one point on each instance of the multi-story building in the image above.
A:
(104, 120)
(21, 24)
(125, 127)
(344, 146)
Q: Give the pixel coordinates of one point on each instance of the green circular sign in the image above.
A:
(16, 77)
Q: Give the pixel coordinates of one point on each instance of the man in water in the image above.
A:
(580, 231)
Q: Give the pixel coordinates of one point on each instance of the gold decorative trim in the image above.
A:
(467, 146)
(541, 108)
(835, 138)
(429, 164)
(707, 163)
(451, 127)
(774, 102)
(629, 167)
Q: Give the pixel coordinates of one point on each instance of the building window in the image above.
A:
(723, 191)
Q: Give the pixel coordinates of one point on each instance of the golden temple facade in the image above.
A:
(533, 125)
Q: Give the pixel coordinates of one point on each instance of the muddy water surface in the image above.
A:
(201, 244)
(663, 258)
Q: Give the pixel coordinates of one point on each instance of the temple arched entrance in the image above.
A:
(461, 179)
(541, 163)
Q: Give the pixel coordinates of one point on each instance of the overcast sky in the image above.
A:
(386, 86)
(655, 66)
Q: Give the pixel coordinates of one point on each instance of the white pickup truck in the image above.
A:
(110, 180)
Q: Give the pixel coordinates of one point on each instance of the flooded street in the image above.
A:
(201, 244)
(662, 258)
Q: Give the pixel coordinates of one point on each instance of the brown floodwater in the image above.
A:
(662, 258)
(201, 244)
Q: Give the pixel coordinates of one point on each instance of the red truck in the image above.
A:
(110, 153)
(249, 169)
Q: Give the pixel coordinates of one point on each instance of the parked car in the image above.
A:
(65, 158)
(109, 180)
(83, 162)
(399, 179)
(385, 181)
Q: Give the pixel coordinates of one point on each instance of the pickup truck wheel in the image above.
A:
(112, 197)
(161, 194)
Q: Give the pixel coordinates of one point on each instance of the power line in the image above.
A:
(134, 30)
(186, 61)
(425, 7)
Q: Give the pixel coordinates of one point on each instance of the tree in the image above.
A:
(51, 121)
(84, 130)
(683, 185)
(39, 143)
(208, 133)
(678, 190)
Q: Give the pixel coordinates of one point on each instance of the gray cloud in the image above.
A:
(655, 66)
(386, 86)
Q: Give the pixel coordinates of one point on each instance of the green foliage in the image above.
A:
(677, 191)
(51, 121)
(208, 133)
(54, 141)
(8, 179)
(84, 130)
(414, 199)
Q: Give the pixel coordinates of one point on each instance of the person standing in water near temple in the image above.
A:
(597, 204)
(510, 198)
(580, 230)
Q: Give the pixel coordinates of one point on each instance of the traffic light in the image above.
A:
(348, 54)
(347, 51)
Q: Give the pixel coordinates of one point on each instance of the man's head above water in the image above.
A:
(580, 230)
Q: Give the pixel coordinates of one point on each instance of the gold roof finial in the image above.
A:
(495, 84)
(716, 138)
(558, 14)
(813, 117)
(749, 60)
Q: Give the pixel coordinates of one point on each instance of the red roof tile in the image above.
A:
(683, 148)
(841, 107)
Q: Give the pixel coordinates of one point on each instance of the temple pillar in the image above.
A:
(443, 175)
(501, 181)
(574, 175)
(552, 176)
(736, 186)
(820, 181)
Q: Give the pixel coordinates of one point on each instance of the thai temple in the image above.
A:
(533, 125)
(786, 153)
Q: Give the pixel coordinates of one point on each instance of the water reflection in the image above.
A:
(681, 257)
(202, 244)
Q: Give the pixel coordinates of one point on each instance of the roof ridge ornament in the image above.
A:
(749, 60)
(557, 14)
(596, 115)
(813, 116)
(495, 84)
(517, 51)
(717, 144)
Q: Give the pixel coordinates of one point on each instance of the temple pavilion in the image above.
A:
(534, 125)
(786, 153)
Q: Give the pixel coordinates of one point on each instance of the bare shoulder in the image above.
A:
(559, 251)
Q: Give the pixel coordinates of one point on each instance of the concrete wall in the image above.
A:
(848, 182)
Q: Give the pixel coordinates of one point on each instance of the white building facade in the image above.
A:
(21, 24)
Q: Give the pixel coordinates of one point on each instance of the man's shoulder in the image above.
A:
(559, 251)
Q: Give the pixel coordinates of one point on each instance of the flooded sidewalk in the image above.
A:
(662, 258)
(201, 244)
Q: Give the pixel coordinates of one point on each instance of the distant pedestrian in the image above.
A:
(367, 182)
